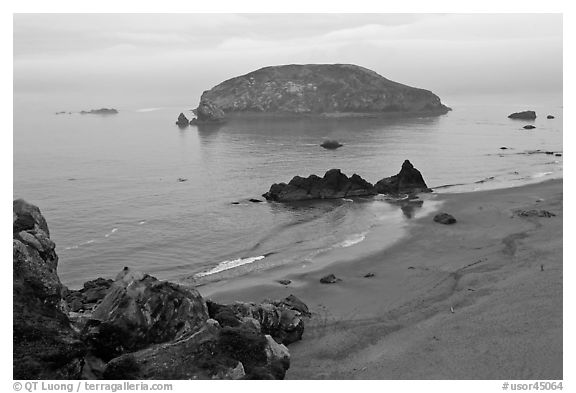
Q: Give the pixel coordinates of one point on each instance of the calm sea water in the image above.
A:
(108, 185)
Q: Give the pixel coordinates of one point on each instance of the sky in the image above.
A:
(79, 61)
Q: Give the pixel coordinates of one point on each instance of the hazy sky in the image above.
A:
(77, 61)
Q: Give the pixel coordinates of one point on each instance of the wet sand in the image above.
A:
(480, 299)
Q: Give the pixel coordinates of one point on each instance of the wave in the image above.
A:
(226, 265)
(541, 174)
(142, 110)
(81, 244)
(111, 232)
(352, 240)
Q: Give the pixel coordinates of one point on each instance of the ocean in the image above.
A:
(133, 189)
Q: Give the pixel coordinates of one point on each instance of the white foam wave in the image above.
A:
(148, 109)
(114, 230)
(226, 265)
(352, 240)
(142, 222)
(541, 174)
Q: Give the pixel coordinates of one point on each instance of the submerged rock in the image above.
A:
(320, 89)
(333, 185)
(525, 115)
(182, 121)
(44, 344)
(408, 181)
(444, 218)
(331, 144)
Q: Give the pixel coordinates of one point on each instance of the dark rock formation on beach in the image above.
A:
(330, 279)
(525, 115)
(136, 326)
(444, 218)
(550, 117)
(408, 181)
(45, 345)
(101, 111)
(331, 144)
(208, 112)
(320, 89)
(333, 185)
(529, 127)
(182, 121)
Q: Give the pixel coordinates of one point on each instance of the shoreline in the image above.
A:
(399, 325)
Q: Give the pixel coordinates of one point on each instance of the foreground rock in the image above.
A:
(408, 181)
(101, 111)
(208, 112)
(136, 326)
(333, 185)
(320, 89)
(525, 115)
(331, 144)
(44, 344)
(444, 218)
(182, 121)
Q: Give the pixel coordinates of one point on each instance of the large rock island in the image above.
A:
(319, 89)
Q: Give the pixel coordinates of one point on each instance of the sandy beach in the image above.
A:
(480, 299)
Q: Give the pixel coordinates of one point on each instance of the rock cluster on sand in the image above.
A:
(319, 89)
(525, 115)
(334, 184)
(136, 326)
(182, 121)
(408, 181)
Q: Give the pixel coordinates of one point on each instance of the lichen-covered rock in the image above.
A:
(45, 345)
(318, 89)
(408, 181)
(333, 185)
(140, 310)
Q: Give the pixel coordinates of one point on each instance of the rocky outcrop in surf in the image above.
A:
(333, 185)
(136, 326)
(525, 115)
(319, 89)
(408, 181)
(182, 121)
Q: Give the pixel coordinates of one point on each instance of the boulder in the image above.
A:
(408, 181)
(92, 293)
(139, 310)
(333, 185)
(331, 144)
(182, 121)
(44, 344)
(529, 127)
(525, 115)
(330, 279)
(444, 218)
(208, 112)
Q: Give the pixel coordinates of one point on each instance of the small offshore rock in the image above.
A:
(529, 127)
(408, 181)
(558, 154)
(101, 111)
(503, 148)
(182, 121)
(525, 115)
(331, 144)
(444, 218)
(181, 179)
(550, 117)
(329, 279)
(369, 275)
(285, 282)
(253, 200)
